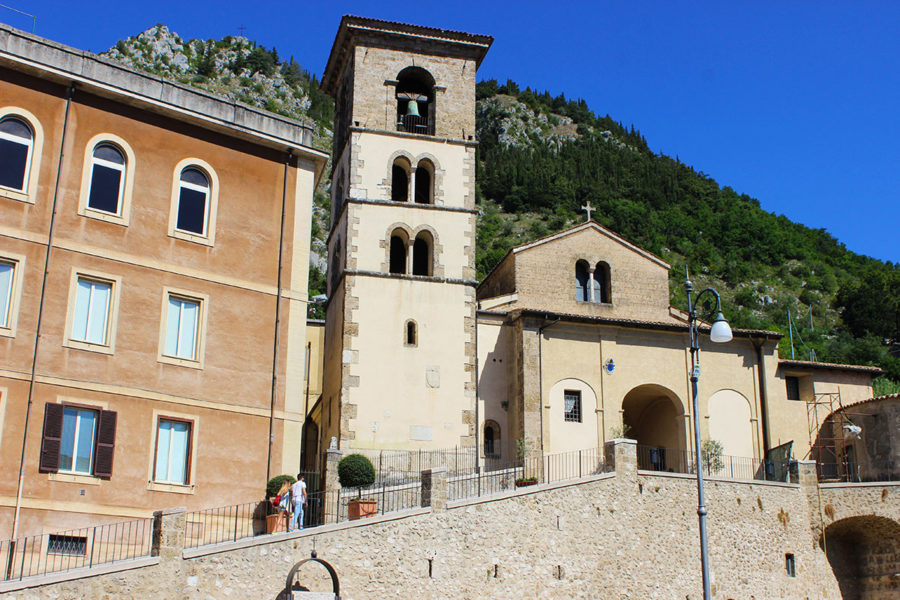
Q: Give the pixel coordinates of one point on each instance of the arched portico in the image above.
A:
(864, 553)
(654, 416)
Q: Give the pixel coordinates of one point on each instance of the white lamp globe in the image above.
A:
(721, 330)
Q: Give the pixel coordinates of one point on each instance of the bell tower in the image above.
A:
(400, 319)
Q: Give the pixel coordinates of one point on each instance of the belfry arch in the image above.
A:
(654, 416)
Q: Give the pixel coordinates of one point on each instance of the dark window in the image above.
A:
(334, 271)
(107, 177)
(421, 256)
(399, 183)
(193, 202)
(398, 254)
(411, 337)
(16, 144)
(789, 565)
(601, 283)
(573, 406)
(793, 387)
(488, 441)
(581, 281)
(69, 545)
(423, 185)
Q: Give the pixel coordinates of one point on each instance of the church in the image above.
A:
(569, 342)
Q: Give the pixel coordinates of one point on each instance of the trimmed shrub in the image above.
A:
(275, 484)
(355, 470)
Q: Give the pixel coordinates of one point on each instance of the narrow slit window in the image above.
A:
(412, 338)
(107, 179)
(193, 202)
(16, 146)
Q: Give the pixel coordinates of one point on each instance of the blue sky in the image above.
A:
(793, 103)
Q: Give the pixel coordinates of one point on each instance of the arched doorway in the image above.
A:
(654, 416)
(863, 553)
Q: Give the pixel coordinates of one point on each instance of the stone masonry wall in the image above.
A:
(628, 534)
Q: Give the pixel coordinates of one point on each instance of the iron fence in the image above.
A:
(850, 472)
(655, 458)
(226, 523)
(75, 548)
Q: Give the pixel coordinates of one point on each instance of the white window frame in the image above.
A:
(126, 184)
(81, 409)
(188, 452)
(208, 237)
(33, 164)
(200, 335)
(8, 329)
(161, 486)
(108, 346)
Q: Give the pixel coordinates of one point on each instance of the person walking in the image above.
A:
(298, 497)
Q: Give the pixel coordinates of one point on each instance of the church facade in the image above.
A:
(571, 340)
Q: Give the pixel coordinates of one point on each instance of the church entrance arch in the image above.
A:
(654, 416)
(864, 552)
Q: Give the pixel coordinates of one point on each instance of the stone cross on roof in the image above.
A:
(588, 208)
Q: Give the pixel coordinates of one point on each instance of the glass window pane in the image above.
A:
(67, 444)
(16, 128)
(192, 211)
(163, 441)
(84, 449)
(187, 343)
(194, 176)
(99, 313)
(13, 162)
(6, 283)
(105, 184)
(107, 152)
(173, 320)
(179, 453)
(82, 310)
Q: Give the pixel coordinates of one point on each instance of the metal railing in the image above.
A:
(850, 472)
(671, 460)
(549, 468)
(75, 548)
(226, 523)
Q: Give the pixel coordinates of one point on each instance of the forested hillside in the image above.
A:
(541, 157)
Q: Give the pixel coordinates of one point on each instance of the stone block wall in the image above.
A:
(633, 534)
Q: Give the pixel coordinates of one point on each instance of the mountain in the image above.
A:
(541, 157)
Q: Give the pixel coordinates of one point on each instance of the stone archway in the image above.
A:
(864, 554)
(654, 416)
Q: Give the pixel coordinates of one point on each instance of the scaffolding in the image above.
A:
(827, 419)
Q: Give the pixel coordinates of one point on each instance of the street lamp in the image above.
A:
(720, 332)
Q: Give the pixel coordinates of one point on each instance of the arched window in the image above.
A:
(581, 281)
(422, 254)
(415, 101)
(193, 201)
(16, 149)
(399, 244)
(491, 439)
(400, 180)
(601, 283)
(424, 182)
(107, 179)
(412, 334)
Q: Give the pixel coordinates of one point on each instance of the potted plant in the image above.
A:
(523, 481)
(276, 520)
(356, 471)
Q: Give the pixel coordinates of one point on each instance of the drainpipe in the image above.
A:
(37, 332)
(763, 393)
(477, 409)
(287, 164)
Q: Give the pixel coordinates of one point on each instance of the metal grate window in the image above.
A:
(69, 545)
(573, 406)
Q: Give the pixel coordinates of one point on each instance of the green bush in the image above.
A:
(355, 470)
(275, 484)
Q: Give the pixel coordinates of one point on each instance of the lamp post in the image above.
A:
(719, 333)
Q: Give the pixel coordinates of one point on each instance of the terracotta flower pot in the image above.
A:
(360, 509)
(277, 523)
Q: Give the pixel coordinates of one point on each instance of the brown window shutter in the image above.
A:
(50, 442)
(106, 443)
